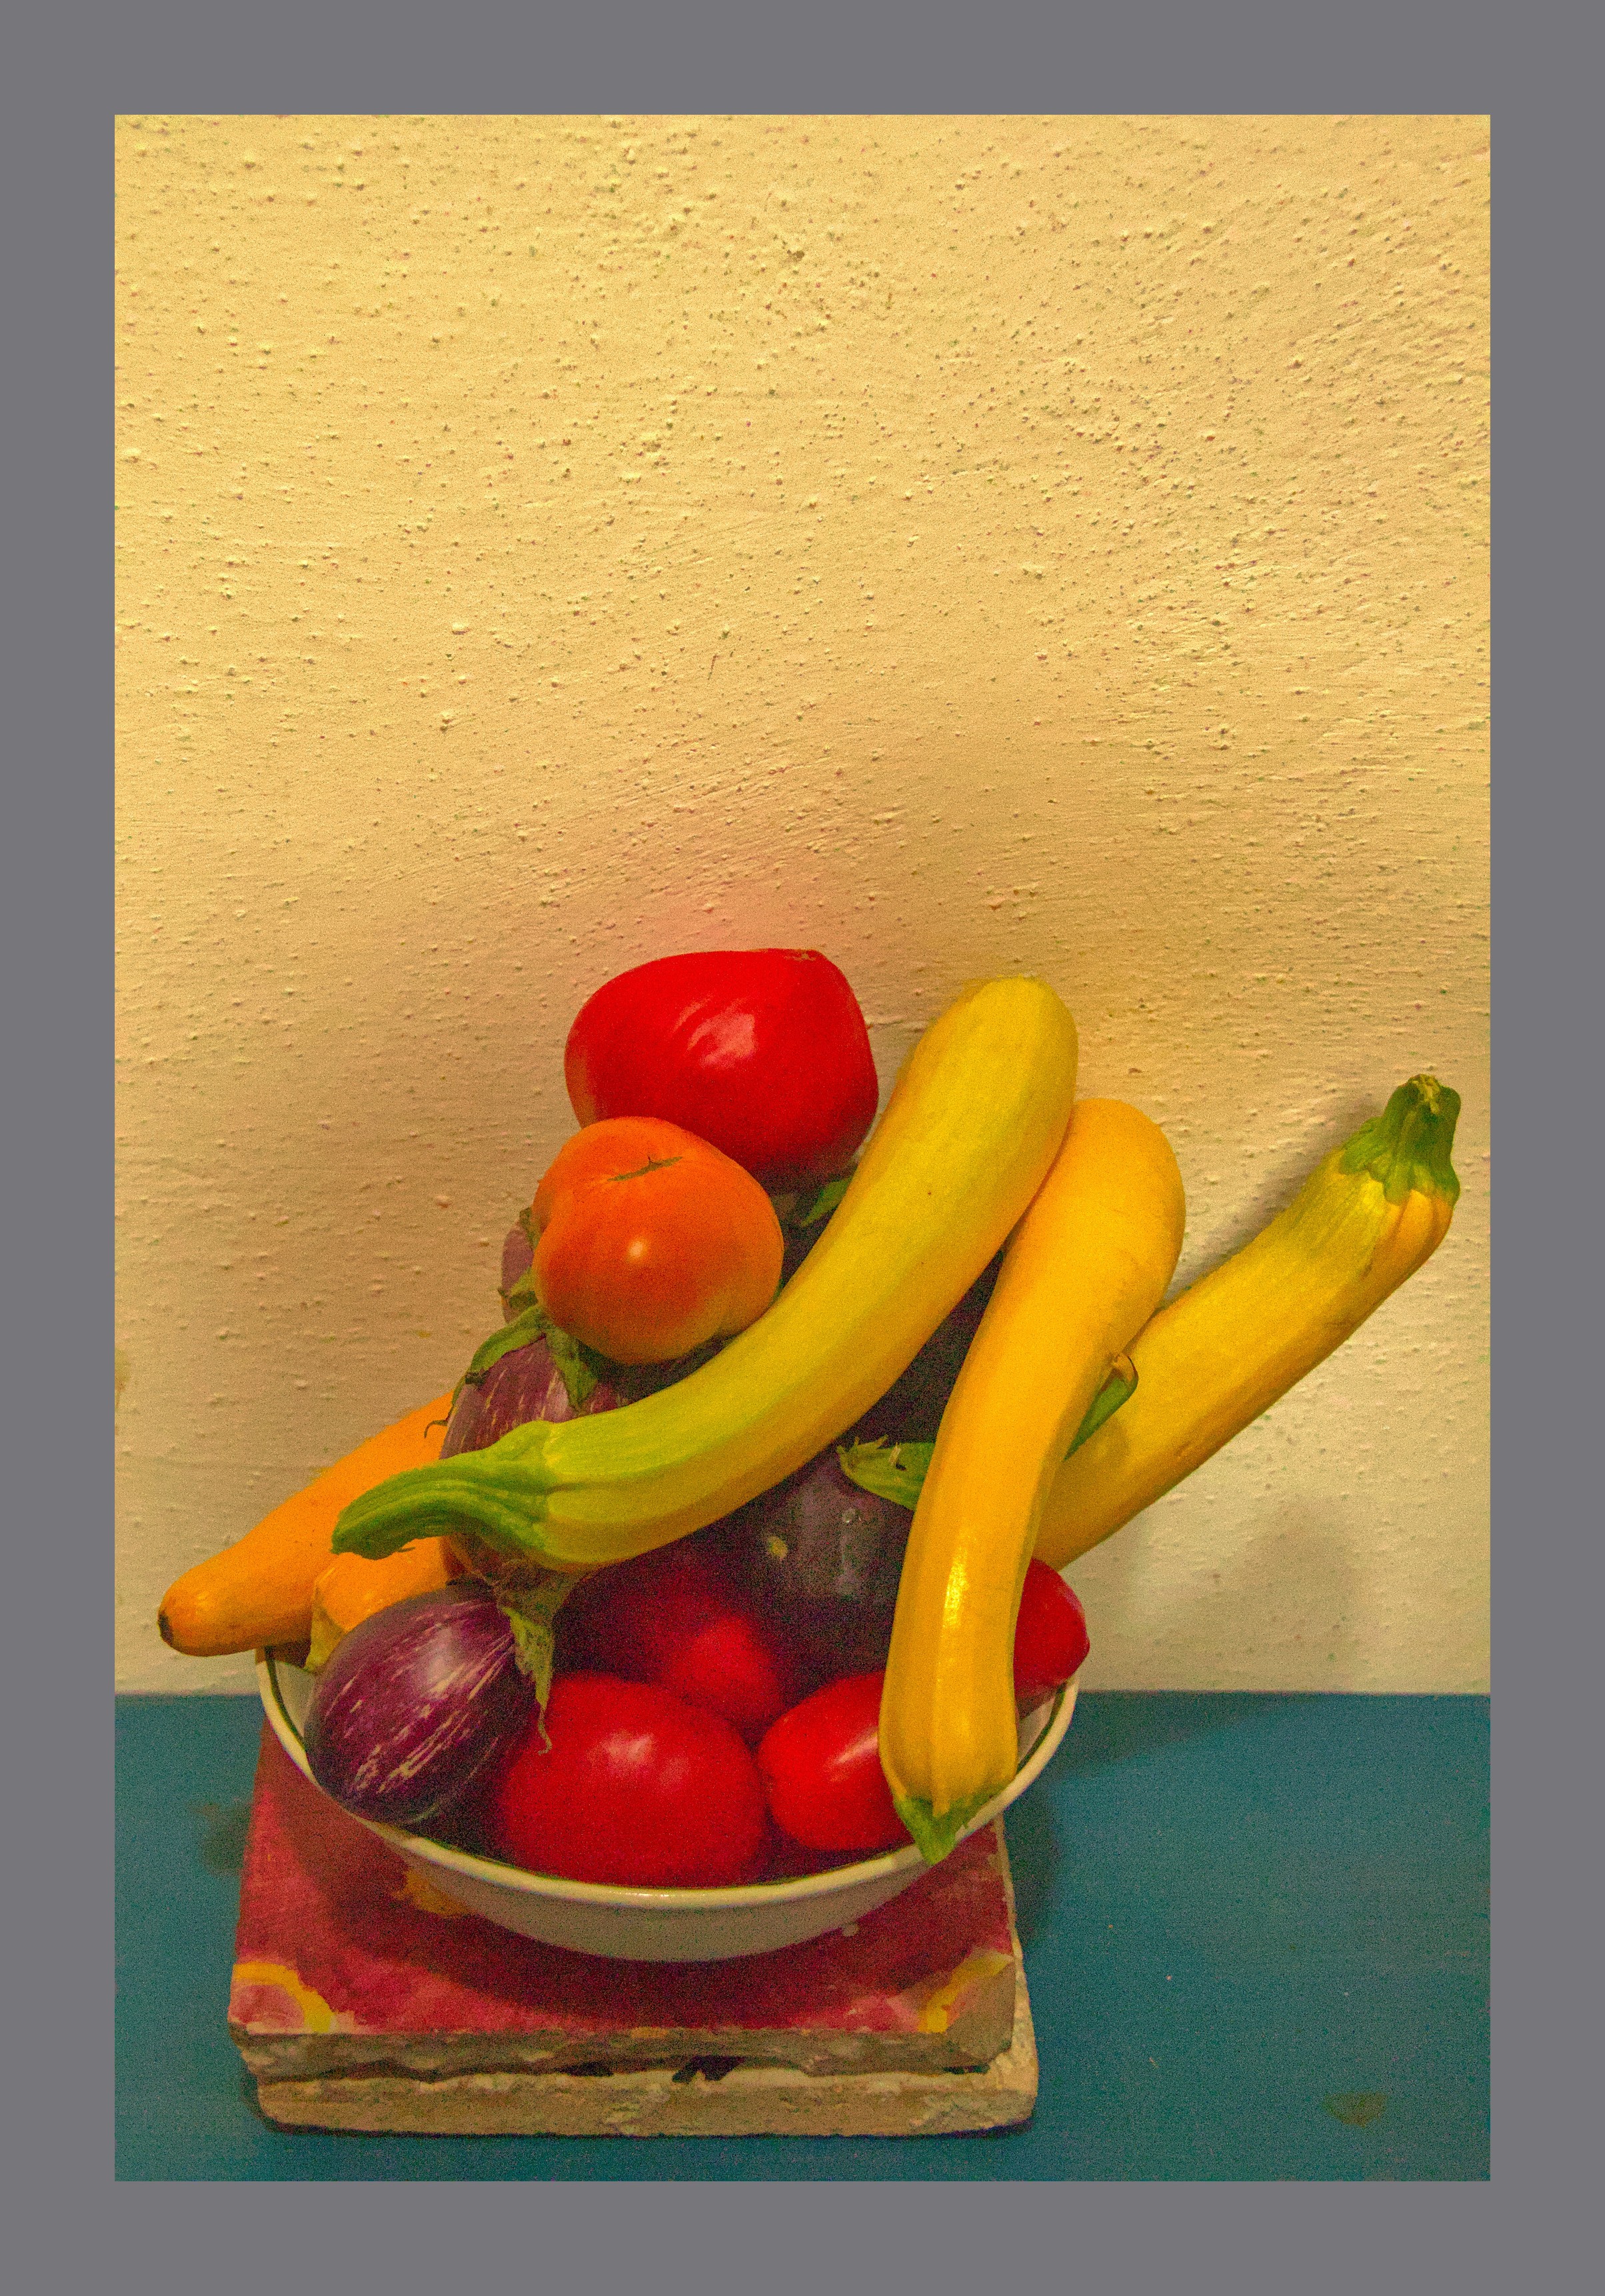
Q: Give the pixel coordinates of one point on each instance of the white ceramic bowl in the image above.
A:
(661, 1924)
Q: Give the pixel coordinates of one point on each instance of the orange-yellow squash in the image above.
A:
(260, 1590)
(352, 1589)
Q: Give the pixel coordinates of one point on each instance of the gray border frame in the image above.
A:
(69, 71)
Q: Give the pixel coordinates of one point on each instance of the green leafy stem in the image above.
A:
(580, 1366)
(530, 1611)
(937, 1837)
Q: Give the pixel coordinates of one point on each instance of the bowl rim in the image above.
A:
(887, 1865)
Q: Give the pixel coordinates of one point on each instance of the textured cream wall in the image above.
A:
(962, 544)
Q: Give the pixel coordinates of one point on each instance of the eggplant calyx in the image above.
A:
(579, 1367)
(529, 1609)
(886, 1470)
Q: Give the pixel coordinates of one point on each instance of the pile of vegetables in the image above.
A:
(736, 1550)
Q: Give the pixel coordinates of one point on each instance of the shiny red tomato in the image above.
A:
(672, 1618)
(628, 1786)
(821, 1769)
(762, 1051)
(650, 1242)
(1050, 1636)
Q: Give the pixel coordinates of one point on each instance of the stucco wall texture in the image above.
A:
(964, 546)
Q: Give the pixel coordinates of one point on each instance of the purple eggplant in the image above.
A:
(415, 1701)
(821, 1555)
(821, 1558)
(523, 1384)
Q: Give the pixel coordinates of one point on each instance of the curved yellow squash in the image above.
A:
(1085, 1271)
(1222, 1352)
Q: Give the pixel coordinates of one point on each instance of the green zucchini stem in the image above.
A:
(1408, 1146)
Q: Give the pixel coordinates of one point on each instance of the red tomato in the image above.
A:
(672, 1618)
(821, 1769)
(635, 1788)
(762, 1051)
(1050, 1636)
(650, 1241)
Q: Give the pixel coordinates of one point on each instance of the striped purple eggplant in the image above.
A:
(524, 1384)
(415, 1701)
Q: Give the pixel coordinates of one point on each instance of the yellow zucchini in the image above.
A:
(1223, 1350)
(1085, 1271)
(973, 1123)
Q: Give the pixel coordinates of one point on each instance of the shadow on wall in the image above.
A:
(1292, 1585)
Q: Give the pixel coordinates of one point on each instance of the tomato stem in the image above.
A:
(652, 1164)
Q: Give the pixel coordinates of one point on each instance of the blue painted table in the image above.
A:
(1255, 1931)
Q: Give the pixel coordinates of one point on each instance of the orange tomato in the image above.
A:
(650, 1241)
